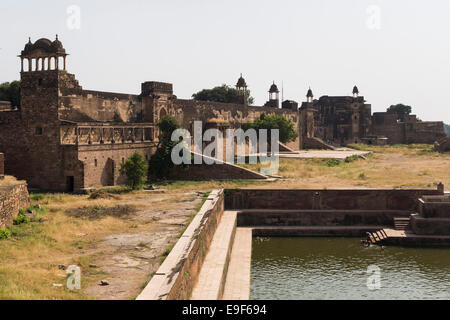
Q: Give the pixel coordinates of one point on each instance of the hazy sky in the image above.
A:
(396, 51)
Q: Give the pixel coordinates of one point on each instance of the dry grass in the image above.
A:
(399, 166)
(30, 257)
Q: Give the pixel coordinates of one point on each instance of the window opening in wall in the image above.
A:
(38, 131)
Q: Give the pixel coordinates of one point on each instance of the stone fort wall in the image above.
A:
(12, 198)
(410, 130)
(229, 115)
(101, 163)
(89, 105)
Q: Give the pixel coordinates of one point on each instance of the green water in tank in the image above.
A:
(340, 268)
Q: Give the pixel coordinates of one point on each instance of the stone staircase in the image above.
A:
(378, 237)
(401, 223)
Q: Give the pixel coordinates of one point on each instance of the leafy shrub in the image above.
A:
(135, 168)
(4, 234)
(285, 126)
(161, 163)
(351, 158)
(20, 219)
(333, 163)
(222, 93)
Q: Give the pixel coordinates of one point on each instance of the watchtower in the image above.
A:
(43, 55)
(241, 87)
(43, 66)
(274, 96)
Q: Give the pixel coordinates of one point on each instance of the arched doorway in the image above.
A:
(162, 113)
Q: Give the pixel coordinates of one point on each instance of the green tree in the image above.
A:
(286, 126)
(400, 109)
(10, 91)
(135, 168)
(223, 93)
(161, 162)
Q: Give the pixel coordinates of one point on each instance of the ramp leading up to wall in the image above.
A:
(317, 143)
(442, 145)
(220, 170)
(284, 148)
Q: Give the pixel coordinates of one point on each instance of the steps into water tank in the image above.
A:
(401, 223)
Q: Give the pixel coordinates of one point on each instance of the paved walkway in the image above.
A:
(210, 284)
(323, 154)
(237, 284)
(391, 233)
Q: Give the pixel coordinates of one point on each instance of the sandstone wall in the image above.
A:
(34, 153)
(433, 217)
(188, 111)
(101, 106)
(430, 226)
(410, 131)
(101, 163)
(424, 132)
(371, 199)
(329, 218)
(12, 198)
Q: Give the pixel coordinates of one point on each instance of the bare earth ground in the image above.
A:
(129, 258)
(122, 239)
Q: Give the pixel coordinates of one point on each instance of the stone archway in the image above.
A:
(107, 178)
(162, 113)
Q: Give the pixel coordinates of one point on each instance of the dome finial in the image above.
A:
(355, 91)
(273, 88)
(309, 95)
(56, 36)
(241, 82)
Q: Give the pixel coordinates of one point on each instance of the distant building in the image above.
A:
(348, 119)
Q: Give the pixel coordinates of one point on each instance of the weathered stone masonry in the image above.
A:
(66, 138)
(12, 198)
